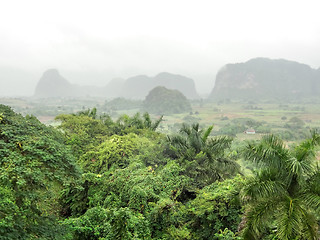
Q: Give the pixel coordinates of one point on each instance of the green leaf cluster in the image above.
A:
(99, 178)
(148, 183)
(34, 166)
(284, 192)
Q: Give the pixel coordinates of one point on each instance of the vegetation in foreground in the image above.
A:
(98, 178)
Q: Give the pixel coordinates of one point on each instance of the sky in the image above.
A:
(92, 42)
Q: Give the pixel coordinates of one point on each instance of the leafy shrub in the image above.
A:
(34, 165)
(216, 207)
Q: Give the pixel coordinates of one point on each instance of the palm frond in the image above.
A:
(263, 185)
(315, 136)
(185, 129)
(313, 183)
(261, 212)
(248, 233)
(304, 151)
(300, 169)
(227, 167)
(178, 145)
(289, 219)
(195, 127)
(270, 151)
(206, 134)
(289, 176)
(147, 120)
(156, 124)
(178, 141)
(218, 145)
(310, 227)
(312, 200)
(313, 141)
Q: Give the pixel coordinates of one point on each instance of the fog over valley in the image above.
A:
(93, 43)
(144, 119)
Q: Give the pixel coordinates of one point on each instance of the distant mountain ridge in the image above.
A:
(52, 84)
(258, 78)
(138, 87)
(263, 78)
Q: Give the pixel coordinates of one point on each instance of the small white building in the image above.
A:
(250, 131)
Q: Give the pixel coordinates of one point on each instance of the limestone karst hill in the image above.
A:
(263, 78)
(52, 84)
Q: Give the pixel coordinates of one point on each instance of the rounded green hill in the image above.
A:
(161, 100)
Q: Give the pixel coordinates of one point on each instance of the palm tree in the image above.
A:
(202, 157)
(284, 194)
(147, 122)
(90, 113)
(139, 122)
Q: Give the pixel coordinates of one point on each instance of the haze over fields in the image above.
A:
(93, 42)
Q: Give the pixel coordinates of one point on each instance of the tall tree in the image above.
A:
(284, 194)
(202, 156)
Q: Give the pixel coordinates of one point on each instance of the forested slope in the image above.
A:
(98, 178)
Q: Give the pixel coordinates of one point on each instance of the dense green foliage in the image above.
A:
(93, 177)
(161, 100)
(86, 130)
(204, 158)
(34, 166)
(284, 193)
(215, 208)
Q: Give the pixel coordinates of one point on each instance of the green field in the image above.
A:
(291, 120)
(272, 118)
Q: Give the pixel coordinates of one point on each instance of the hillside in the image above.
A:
(35, 164)
(53, 85)
(263, 78)
(114, 88)
(138, 87)
(161, 100)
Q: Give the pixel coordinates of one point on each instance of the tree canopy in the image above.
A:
(34, 166)
(94, 177)
(284, 193)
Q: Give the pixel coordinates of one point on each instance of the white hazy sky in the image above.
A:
(91, 42)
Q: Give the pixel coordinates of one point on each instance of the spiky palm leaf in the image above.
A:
(203, 156)
(147, 122)
(218, 145)
(156, 123)
(270, 151)
(290, 180)
(263, 185)
(259, 216)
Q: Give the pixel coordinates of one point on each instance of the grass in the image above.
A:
(273, 115)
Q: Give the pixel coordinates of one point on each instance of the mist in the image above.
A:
(91, 43)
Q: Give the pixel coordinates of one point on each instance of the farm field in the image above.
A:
(264, 118)
(291, 120)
